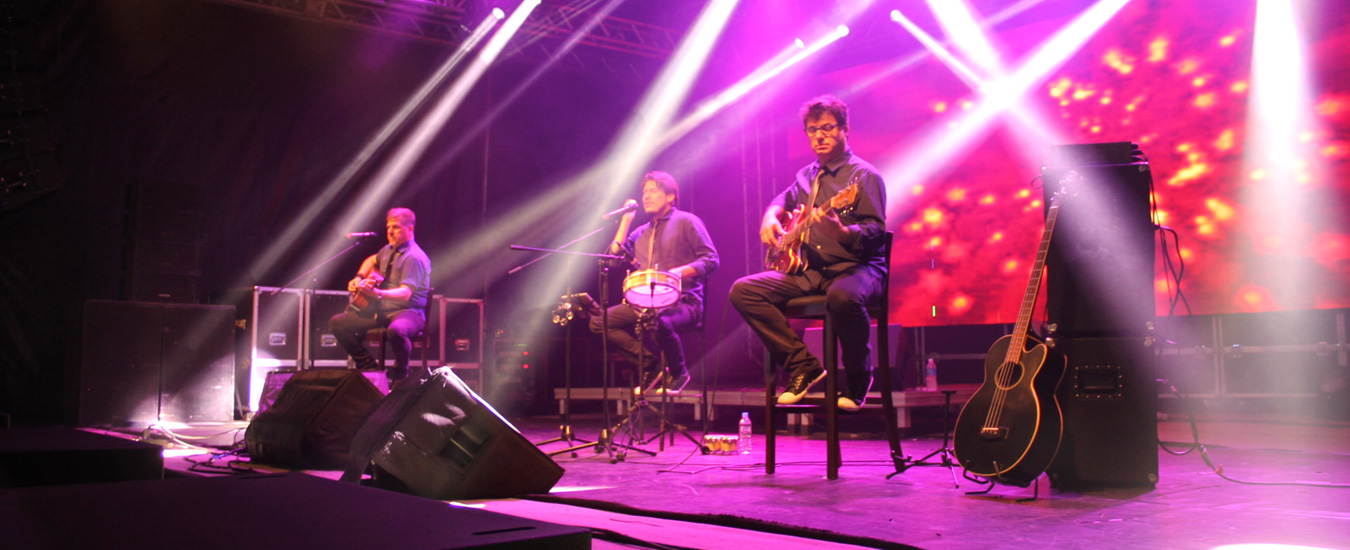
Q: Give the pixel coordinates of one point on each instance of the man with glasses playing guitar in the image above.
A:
(831, 245)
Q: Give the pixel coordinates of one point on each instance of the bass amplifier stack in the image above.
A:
(286, 330)
(1100, 311)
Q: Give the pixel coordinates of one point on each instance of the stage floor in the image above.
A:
(1281, 495)
(1191, 506)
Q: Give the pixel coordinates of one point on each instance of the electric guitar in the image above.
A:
(1010, 429)
(786, 255)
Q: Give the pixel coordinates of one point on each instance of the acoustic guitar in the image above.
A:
(363, 301)
(786, 255)
(1010, 429)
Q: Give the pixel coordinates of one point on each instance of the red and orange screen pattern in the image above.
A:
(1173, 77)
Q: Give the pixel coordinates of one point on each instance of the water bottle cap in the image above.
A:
(745, 415)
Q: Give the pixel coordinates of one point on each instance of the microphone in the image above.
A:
(629, 206)
(361, 234)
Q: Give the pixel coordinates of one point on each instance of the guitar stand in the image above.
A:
(945, 452)
(990, 482)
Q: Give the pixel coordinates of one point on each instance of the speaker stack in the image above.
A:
(1099, 312)
(164, 227)
(144, 362)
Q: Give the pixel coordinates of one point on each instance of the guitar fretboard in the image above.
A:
(1019, 336)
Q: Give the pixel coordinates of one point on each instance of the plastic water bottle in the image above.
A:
(930, 375)
(743, 441)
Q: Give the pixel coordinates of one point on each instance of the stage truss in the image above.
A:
(614, 45)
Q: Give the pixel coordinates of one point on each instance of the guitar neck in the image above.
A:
(1019, 335)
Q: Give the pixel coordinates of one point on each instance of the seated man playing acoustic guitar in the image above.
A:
(390, 290)
(842, 255)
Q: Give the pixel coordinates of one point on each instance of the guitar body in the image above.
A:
(364, 303)
(786, 256)
(1010, 429)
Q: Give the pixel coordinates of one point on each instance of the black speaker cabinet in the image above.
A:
(437, 439)
(312, 423)
(1109, 399)
(147, 362)
(1099, 270)
(276, 381)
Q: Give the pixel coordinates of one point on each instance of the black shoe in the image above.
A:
(674, 384)
(799, 384)
(856, 394)
(651, 378)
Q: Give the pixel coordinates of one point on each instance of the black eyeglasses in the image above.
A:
(827, 128)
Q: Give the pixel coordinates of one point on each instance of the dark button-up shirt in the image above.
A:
(411, 267)
(673, 240)
(866, 221)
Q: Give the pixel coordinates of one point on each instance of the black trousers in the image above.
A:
(623, 319)
(760, 299)
(350, 332)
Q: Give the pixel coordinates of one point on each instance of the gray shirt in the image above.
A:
(411, 267)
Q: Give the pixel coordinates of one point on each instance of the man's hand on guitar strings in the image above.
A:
(771, 230)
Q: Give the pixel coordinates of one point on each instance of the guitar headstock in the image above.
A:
(1068, 185)
(846, 199)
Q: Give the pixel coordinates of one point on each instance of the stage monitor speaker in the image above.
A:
(1109, 399)
(437, 439)
(1099, 270)
(276, 381)
(312, 423)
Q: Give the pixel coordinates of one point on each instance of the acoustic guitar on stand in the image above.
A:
(786, 256)
(1010, 429)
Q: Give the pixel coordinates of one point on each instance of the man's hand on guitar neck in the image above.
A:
(826, 221)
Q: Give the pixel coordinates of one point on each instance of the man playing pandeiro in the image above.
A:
(843, 254)
(673, 241)
(397, 280)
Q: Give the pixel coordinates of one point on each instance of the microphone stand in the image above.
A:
(356, 243)
(305, 359)
(605, 442)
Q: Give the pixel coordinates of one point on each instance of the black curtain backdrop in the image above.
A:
(262, 112)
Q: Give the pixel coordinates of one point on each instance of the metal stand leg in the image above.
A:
(565, 418)
(945, 452)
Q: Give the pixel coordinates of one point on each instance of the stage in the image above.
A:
(196, 193)
(1279, 466)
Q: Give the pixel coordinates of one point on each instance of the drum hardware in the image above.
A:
(604, 443)
(649, 292)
